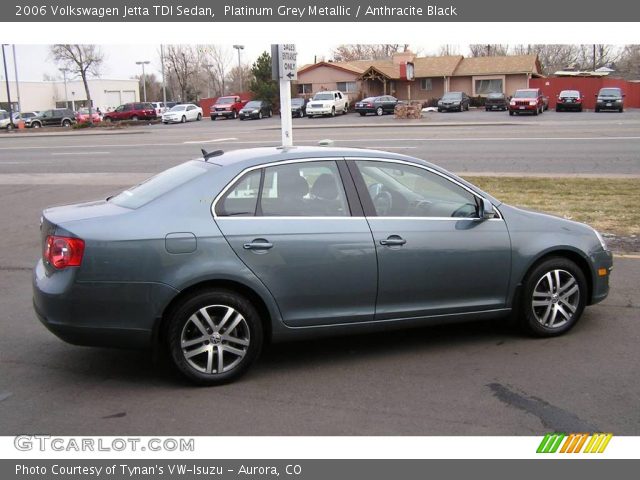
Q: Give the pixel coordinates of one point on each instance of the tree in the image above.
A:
(182, 62)
(82, 60)
(628, 66)
(360, 51)
(488, 50)
(552, 57)
(448, 50)
(262, 86)
(592, 57)
(152, 85)
(215, 62)
(238, 77)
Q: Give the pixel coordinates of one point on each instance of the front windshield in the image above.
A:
(253, 104)
(610, 92)
(225, 100)
(178, 108)
(297, 101)
(494, 95)
(452, 96)
(526, 94)
(323, 96)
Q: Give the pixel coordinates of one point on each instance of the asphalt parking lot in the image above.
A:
(475, 379)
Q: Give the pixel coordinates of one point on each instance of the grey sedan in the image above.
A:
(213, 258)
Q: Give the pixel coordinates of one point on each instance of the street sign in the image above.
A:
(287, 62)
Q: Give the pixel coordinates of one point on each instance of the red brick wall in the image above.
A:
(589, 87)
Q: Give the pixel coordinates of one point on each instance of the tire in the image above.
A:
(213, 118)
(270, 114)
(199, 117)
(362, 114)
(183, 119)
(9, 127)
(558, 305)
(621, 109)
(108, 120)
(486, 109)
(245, 338)
(301, 114)
(345, 110)
(36, 125)
(134, 118)
(333, 111)
(260, 115)
(461, 108)
(379, 111)
(536, 112)
(234, 114)
(557, 109)
(66, 123)
(510, 113)
(439, 110)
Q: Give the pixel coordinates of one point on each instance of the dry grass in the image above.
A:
(609, 205)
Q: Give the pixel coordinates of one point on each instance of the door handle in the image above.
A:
(393, 241)
(258, 245)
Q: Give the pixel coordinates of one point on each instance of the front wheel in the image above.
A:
(183, 119)
(214, 337)
(333, 111)
(134, 118)
(234, 115)
(199, 117)
(379, 111)
(66, 123)
(555, 294)
(36, 125)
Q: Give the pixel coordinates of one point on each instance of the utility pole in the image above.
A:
(6, 79)
(144, 79)
(164, 83)
(239, 47)
(66, 94)
(15, 69)
(594, 57)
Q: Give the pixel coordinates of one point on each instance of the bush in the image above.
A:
(477, 101)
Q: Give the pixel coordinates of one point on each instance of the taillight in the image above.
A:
(63, 252)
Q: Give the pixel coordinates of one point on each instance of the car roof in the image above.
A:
(252, 157)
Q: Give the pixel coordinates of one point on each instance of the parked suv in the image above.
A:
(496, 101)
(132, 111)
(328, 102)
(610, 99)
(52, 118)
(227, 107)
(529, 100)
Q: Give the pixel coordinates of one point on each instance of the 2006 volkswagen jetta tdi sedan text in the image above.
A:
(211, 259)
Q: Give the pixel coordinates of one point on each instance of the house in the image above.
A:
(409, 77)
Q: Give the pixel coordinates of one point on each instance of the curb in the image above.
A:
(404, 124)
(70, 134)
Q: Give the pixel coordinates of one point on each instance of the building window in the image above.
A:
(305, 88)
(347, 87)
(486, 86)
(426, 84)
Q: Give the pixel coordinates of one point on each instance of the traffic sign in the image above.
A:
(287, 62)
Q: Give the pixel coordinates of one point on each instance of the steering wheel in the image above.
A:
(383, 202)
(467, 210)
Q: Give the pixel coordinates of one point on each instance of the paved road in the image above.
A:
(466, 379)
(553, 143)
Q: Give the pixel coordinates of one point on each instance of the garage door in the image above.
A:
(128, 96)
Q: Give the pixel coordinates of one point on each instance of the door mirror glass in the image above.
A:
(487, 209)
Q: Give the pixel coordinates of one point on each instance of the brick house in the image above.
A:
(433, 76)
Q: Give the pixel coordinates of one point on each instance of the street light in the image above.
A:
(239, 47)
(144, 80)
(6, 78)
(66, 94)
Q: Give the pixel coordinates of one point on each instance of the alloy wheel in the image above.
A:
(215, 339)
(555, 299)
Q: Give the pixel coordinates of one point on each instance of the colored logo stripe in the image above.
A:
(574, 442)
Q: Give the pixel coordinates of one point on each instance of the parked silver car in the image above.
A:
(213, 258)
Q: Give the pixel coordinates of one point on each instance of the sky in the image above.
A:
(120, 60)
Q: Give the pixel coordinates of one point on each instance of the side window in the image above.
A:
(242, 198)
(401, 190)
(311, 189)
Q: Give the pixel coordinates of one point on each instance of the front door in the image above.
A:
(435, 255)
(292, 225)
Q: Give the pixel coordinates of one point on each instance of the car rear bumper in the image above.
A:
(107, 314)
(365, 110)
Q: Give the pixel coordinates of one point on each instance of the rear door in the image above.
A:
(435, 255)
(299, 227)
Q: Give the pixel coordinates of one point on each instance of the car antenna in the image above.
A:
(207, 155)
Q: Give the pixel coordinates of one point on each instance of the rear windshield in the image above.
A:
(569, 93)
(157, 186)
(610, 92)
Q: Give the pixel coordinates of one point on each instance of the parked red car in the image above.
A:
(132, 111)
(530, 100)
(227, 107)
(569, 100)
(82, 116)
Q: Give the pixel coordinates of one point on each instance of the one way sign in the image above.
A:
(287, 62)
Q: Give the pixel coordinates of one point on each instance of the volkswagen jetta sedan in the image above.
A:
(212, 258)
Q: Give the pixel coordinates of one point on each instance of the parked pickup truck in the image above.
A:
(227, 107)
(328, 102)
(530, 100)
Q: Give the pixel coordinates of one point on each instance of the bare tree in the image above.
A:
(182, 62)
(552, 57)
(448, 50)
(216, 60)
(236, 74)
(82, 60)
(152, 85)
(628, 66)
(488, 50)
(361, 51)
(598, 55)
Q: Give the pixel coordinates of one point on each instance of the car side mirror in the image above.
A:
(487, 210)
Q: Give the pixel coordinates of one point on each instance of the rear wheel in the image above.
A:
(555, 294)
(134, 118)
(214, 336)
(66, 123)
(379, 111)
(36, 124)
